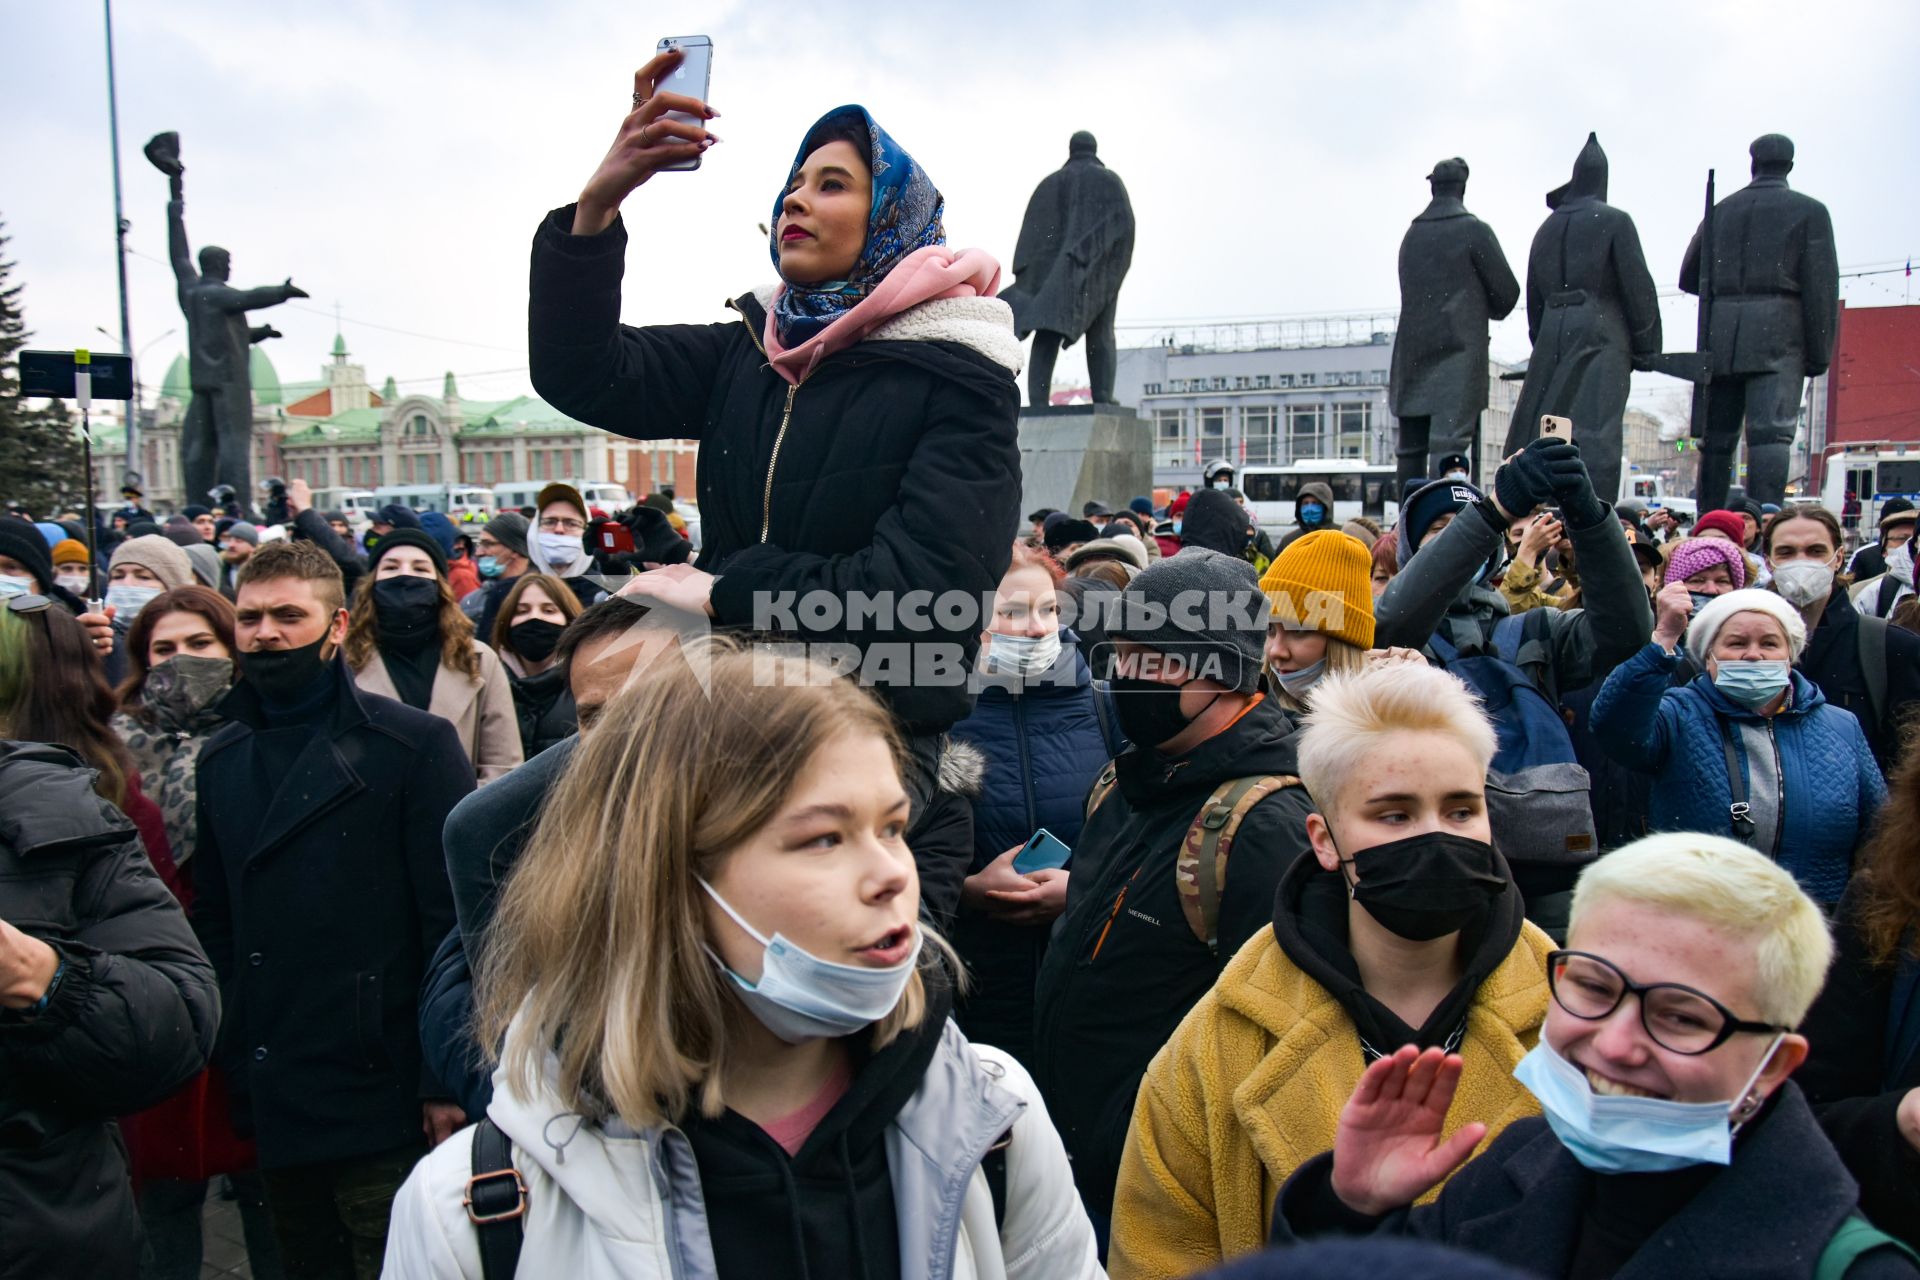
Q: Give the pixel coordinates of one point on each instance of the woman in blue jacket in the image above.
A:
(1749, 748)
(1038, 732)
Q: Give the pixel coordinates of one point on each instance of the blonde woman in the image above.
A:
(407, 639)
(1322, 620)
(723, 1034)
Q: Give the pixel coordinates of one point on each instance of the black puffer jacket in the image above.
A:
(1124, 966)
(543, 705)
(894, 468)
(134, 1015)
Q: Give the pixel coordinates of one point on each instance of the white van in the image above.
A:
(604, 494)
(357, 504)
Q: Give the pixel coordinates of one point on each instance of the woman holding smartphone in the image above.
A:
(856, 420)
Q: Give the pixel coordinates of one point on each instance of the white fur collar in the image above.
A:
(984, 325)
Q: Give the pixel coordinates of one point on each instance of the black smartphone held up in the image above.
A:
(691, 79)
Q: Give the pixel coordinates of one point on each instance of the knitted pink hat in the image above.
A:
(1695, 554)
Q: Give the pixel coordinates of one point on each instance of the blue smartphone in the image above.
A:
(1042, 853)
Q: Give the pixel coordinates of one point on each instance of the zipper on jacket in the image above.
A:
(786, 416)
(1780, 789)
(1026, 761)
(766, 497)
(1113, 915)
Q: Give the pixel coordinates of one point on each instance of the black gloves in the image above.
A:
(654, 540)
(1549, 471)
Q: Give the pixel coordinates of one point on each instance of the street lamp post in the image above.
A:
(120, 239)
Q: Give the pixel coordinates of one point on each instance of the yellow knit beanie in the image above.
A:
(1322, 582)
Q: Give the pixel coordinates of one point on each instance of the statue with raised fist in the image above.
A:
(1075, 246)
(216, 440)
(1773, 299)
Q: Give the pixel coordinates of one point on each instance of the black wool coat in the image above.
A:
(132, 1017)
(893, 468)
(320, 901)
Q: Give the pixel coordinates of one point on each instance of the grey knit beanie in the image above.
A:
(1202, 606)
(509, 529)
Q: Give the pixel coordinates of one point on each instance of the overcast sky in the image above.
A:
(394, 157)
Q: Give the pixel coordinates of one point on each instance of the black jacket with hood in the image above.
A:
(133, 1016)
(894, 467)
(1124, 966)
(1321, 493)
(1832, 661)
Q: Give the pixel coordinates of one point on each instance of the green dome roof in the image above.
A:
(176, 385)
(266, 381)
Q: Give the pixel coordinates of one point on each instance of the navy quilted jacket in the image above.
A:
(1812, 811)
(1043, 750)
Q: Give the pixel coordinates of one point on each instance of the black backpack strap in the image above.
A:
(496, 1201)
(1110, 735)
(994, 1166)
(1872, 640)
(1738, 812)
(1889, 591)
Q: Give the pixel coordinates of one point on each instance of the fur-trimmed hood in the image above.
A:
(963, 768)
(982, 325)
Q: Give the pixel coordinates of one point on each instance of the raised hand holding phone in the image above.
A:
(662, 130)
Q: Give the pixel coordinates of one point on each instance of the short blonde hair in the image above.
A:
(598, 954)
(1730, 887)
(1357, 712)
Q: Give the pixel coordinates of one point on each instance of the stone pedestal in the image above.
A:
(1070, 454)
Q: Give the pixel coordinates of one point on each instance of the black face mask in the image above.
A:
(1426, 886)
(1150, 712)
(534, 638)
(285, 675)
(407, 608)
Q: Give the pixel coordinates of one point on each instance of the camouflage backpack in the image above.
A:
(1200, 872)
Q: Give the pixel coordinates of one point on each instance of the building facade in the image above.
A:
(337, 432)
(1275, 393)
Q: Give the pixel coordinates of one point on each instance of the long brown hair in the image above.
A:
(557, 591)
(205, 601)
(1889, 868)
(51, 690)
(597, 954)
(456, 629)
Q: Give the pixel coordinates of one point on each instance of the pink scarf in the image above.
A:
(933, 272)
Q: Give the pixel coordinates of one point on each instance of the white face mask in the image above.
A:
(1224, 482)
(1021, 656)
(13, 585)
(74, 582)
(1900, 564)
(1801, 582)
(128, 599)
(802, 997)
(562, 550)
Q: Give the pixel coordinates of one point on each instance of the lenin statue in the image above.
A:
(1773, 310)
(216, 440)
(1075, 246)
(1453, 282)
(1594, 317)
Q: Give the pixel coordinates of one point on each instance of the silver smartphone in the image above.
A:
(691, 78)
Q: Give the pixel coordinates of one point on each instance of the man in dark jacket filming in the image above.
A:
(1127, 960)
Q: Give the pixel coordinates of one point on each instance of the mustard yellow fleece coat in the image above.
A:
(1251, 1085)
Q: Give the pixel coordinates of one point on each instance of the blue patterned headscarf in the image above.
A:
(905, 217)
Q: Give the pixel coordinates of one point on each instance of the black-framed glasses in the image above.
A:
(1680, 1019)
(30, 603)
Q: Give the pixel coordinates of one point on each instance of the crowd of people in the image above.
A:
(1526, 887)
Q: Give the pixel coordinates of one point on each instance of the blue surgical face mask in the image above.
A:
(802, 997)
(1311, 512)
(1700, 600)
(1296, 683)
(1752, 684)
(128, 599)
(489, 566)
(1610, 1134)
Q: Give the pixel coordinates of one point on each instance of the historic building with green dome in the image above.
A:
(337, 432)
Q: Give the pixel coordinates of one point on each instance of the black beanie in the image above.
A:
(1215, 521)
(1427, 504)
(404, 537)
(24, 543)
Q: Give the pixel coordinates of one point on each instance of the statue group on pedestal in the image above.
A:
(1771, 301)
